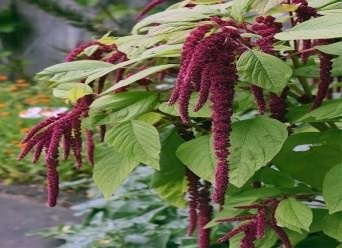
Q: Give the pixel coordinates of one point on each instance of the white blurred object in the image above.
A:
(39, 112)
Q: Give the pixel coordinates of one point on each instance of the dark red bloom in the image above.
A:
(255, 228)
(188, 48)
(267, 28)
(52, 181)
(259, 98)
(278, 106)
(324, 80)
(249, 238)
(72, 56)
(193, 190)
(103, 129)
(90, 147)
(235, 232)
(223, 80)
(304, 12)
(205, 214)
(48, 134)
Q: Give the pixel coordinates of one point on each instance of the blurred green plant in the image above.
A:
(135, 217)
(12, 27)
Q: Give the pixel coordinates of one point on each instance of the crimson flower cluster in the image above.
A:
(65, 128)
(325, 77)
(254, 225)
(47, 136)
(200, 210)
(267, 28)
(304, 12)
(208, 66)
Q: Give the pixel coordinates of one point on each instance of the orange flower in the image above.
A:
(21, 81)
(4, 114)
(3, 77)
(24, 130)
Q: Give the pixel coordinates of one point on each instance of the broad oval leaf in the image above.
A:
(72, 91)
(316, 152)
(332, 226)
(140, 75)
(121, 107)
(330, 110)
(240, 8)
(294, 215)
(111, 171)
(332, 189)
(71, 71)
(138, 140)
(263, 6)
(134, 45)
(324, 27)
(170, 182)
(334, 48)
(199, 157)
(254, 144)
(264, 70)
(170, 16)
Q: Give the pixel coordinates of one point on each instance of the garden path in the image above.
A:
(20, 215)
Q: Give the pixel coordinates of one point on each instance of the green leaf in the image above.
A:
(310, 152)
(264, 70)
(170, 16)
(277, 178)
(294, 215)
(325, 27)
(330, 110)
(90, 50)
(337, 66)
(332, 226)
(263, 6)
(134, 45)
(332, 189)
(199, 157)
(254, 143)
(205, 111)
(334, 48)
(140, 75)
(111, 171)
(71, 71)
(240, 8)
(104, 71)
(121, 107)
(137, 140)
(170, 181)
(72, 91)
(318, 218)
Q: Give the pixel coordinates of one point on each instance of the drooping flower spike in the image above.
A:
(267, 28)
(47, 136)
(208, 66)
(256, 224)
(193, 190)
(304, 12)
(205, 215)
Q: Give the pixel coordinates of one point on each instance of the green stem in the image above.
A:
(302, 81)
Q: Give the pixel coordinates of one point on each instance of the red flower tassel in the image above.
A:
(205, 214)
